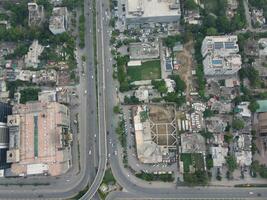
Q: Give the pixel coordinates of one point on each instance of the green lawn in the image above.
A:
(149, 70)
(194, 159)
(108, 178)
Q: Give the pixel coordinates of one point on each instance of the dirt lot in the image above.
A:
(186, 65)
(160, 114)
(163, 129)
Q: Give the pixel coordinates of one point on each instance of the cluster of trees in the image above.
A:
(260, 4)
(220, 23)
(82, 30)
(252, 74)
(160, 85)
(13, 86)
(171, 40)
(231, 163)
(121, 133)
(197, 178)
(257, 168)
(20, 51)
(155, 177)
(131, 100)
(190, 5)
(29, 94)
(122, 73)
(176, 96)
(117, 109)
(19, 12)
(238, 124)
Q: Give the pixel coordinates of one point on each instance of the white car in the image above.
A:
(90, 152)
(115, 152)
(85, 91)
(92, 77)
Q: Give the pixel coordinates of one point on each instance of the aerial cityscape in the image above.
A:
(133, 99)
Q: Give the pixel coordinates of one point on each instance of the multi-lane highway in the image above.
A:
(70, 184)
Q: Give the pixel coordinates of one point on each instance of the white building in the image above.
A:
(35, 50)
(220, 55)
(170, 84)
(58, 22)
(244, 111)
(218, 155)
(219, 65)
(222, 45)
(147, 11)
(36, 14)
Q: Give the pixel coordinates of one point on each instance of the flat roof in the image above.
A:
(151, 8)
(263, 106)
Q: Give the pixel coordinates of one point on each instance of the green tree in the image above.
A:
(231, 163)
(253, 106)
(160, 85)
(238, 124)
(208, 113)
(190, 5)
(206, 134)
(211, 31)
(228, 137)
(116, 109)
(29, 94)
(180, 85)
(209, 161)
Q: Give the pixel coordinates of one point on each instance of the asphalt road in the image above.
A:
(69, 184)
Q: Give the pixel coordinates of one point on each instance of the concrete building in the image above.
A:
(36, 14)
(262, 47)
(152, 11)
(218, 65)
(39, 139)
(143, 51)
(147, 150)
(262, 124)
(47, 96)
(155, 136)
(218, 155)
(193, 143)
(243, 109)
(220, 45)
(220, 55)
(58, 22)
(32, 57)
(242, 150)
(5, 110)
(257, 17)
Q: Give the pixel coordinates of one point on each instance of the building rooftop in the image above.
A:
(141, 51)
(152, 8)
(263, 106)
(262, 123)
(36, 14)
(218, 155)
(193, 143)
(59, 20)
(40, 138)
(221, 45)
(35, 50)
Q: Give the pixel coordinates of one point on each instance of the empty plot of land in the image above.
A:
(149, 70)
(192, 159)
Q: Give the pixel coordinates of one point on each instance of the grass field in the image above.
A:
(194, 159)
(149, 70)
(108, 178)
